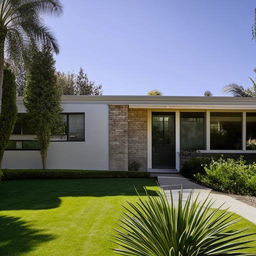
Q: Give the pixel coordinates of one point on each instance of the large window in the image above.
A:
(226, 131)
(192, 131)
(24, 138)
(251, 131)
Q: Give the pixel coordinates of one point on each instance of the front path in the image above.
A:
(177, 182)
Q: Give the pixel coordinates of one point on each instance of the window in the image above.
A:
(24, 138)
(74, 128)
(192, 131)
(226, 131)
(251, 131)
(23, 126)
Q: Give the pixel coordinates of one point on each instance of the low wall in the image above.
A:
(184, 156)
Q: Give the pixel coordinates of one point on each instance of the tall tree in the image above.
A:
(8, 110)
(85, 86)
(43, 98)
(67, 83)
(21, 26)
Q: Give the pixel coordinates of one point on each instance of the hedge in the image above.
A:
(68, 174)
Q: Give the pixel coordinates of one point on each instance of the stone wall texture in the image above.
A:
(127, 137)
(118, 137)
(137, 137)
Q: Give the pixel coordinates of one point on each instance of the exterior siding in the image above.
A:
(137, 137)
(91, 154)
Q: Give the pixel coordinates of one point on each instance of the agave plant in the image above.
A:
(161, 227)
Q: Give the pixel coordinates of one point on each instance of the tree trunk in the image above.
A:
(44, 158)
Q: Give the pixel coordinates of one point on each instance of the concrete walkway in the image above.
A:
(174, 184)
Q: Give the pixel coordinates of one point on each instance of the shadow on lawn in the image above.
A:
(45, 194)
(17, 237)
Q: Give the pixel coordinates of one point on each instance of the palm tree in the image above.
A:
(159, 227)
(240, 91)
(21, 26)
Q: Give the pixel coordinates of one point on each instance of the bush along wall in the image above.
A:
(230, 176)
(69, 174)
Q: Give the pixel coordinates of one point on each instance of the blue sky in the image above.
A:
(180, 47)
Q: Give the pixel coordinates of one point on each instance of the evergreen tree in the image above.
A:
(42, 99)
(85, 86)
(8, 110)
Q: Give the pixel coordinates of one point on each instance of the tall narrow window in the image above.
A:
(192, 131)
(251, 131)
(226, 131)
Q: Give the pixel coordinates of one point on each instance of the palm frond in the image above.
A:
(157, 226)
(236, 90)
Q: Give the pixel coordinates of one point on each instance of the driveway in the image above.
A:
(174, 183)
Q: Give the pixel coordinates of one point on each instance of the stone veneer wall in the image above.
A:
(137, 137)
(127, 137)
(118, 137)
(184, 156)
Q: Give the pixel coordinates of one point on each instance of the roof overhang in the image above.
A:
(200, 107)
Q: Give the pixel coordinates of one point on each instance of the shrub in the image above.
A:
(8, 110)
(69, 174)
(157, 227)
(134, 166)
(194, 165)
(230, 175)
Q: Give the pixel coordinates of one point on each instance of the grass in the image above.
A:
(65, 217)
(62, 217)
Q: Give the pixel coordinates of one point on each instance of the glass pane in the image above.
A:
(27, 127)
(251, 131)
(192, 131)
(76, 127)
(23, 145)
(226, 131)
(32, 145)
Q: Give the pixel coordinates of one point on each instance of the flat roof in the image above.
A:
(163, 101)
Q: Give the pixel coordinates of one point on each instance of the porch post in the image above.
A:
(244, 131)
(149, 139)
(177, 131)
(208, 132)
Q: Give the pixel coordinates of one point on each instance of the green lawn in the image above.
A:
(64, 217)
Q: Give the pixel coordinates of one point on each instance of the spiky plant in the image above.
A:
(21, 25)
(158, 227)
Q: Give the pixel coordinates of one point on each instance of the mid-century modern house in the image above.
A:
(158, 132)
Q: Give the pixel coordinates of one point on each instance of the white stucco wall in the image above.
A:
(92, 154)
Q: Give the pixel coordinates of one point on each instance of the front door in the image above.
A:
(163, 140)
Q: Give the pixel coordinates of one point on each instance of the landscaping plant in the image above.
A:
(21, 25)
(8, 111)
(43, 99)
(159, 227)
(230, 175)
